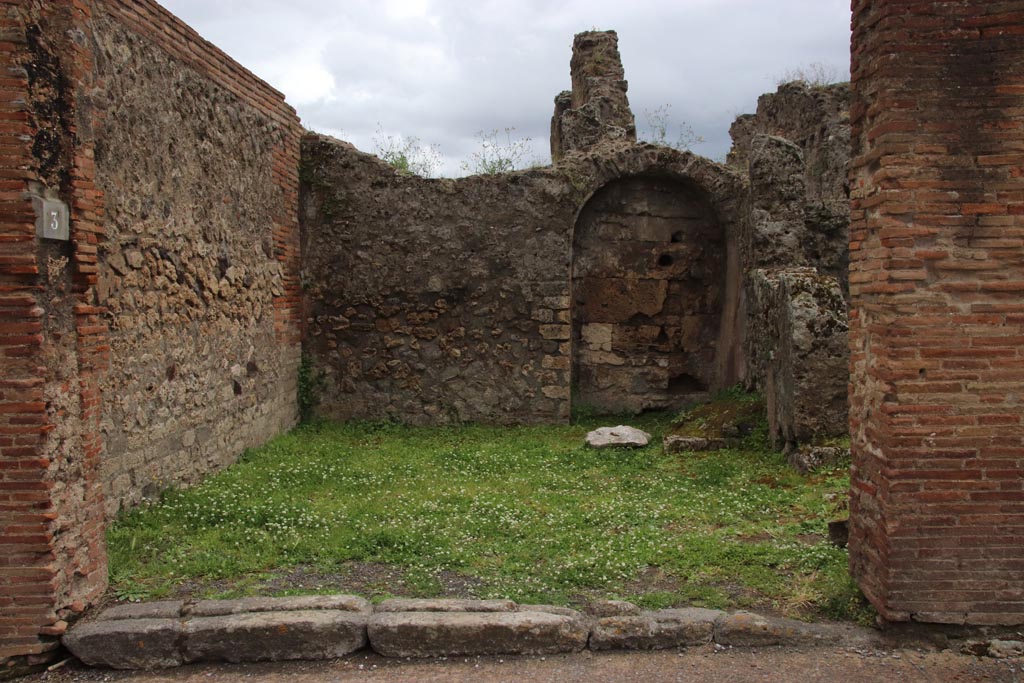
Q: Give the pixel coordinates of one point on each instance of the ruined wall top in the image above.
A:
(816, 118)
(596, 109)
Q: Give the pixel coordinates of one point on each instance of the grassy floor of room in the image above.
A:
(526, 513)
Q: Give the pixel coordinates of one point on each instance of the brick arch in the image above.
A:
(590, 172)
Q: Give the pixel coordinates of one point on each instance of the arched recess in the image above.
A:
(649, 276)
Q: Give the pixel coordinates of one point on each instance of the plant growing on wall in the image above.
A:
(659, 123)
(407, 154)
(497, 155)
(310, 385)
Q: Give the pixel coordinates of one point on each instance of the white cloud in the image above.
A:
(441, 70)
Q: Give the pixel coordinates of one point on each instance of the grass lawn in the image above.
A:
(526, 513)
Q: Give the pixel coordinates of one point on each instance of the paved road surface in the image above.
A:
(699, 665)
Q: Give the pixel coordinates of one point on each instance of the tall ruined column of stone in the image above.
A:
(937, 310)
(597, 109)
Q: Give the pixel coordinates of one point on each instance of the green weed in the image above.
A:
(496, 155)
(310, 385)
(407, 155)
(659, 124)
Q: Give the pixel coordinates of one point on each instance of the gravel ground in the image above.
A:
(706, 664)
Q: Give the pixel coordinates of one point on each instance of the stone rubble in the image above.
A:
(808, 458)
(683, 444)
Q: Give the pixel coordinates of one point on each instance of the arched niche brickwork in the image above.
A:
(648, 282)
(720, 193)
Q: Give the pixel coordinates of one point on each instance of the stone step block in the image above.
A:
(431, 634)
(659, 630)
(445, 605)
(743, 629)
(161, 609)
(342, 603)
(274, 636)
(612, 608)
(579, 619)
(127, 643)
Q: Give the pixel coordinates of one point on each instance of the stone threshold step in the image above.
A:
(171, 633)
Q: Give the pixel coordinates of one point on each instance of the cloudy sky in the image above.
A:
(444, 70)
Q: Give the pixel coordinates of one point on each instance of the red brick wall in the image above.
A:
(54, 335)
(937, 310)
(24, 512)
(52, 344)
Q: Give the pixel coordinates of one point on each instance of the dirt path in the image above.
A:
(706, 665)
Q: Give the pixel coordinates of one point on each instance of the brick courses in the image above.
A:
(937, 277)
(54, 335)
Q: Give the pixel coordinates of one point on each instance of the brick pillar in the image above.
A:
(937, 309)
(25, 576)
(53, 348)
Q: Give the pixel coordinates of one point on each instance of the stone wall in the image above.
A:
(434, 301)
(194, 161)
(816, 118)
(52, 343)
(937, 323)
(596, 110)
(794, 150)
(797, 340)
(614, 273)
(119, 114)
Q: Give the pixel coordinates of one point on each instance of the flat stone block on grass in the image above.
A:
(127, 643)
(654, 630)
(342, 603)
(431, 634)
(622, 436)
(445, 605)
(275, 636)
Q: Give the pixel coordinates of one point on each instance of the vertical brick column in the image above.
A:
(26, 577)
(52, 336)
(937, 309)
